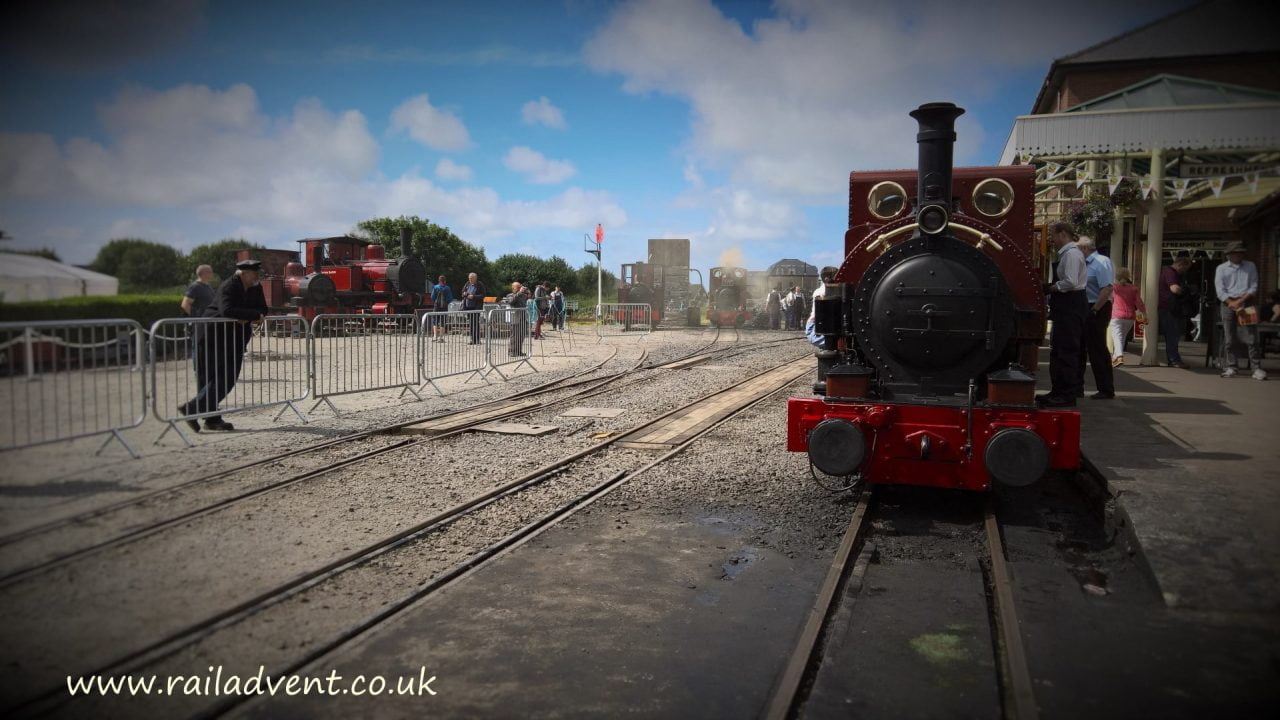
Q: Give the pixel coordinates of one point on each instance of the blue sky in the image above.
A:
(518, 125)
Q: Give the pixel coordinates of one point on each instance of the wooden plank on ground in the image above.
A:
(592, 412)
(466, 418)
(687, 362)
(675, 429)
(516, 429)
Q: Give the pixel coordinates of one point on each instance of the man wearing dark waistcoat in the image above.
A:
(220, 347)
(1068, 310)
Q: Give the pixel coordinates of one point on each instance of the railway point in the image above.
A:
(936, 385)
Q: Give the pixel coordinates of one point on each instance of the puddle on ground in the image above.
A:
(739, 563)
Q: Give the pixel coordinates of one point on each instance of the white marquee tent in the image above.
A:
(26, 277)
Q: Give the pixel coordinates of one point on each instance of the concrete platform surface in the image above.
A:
(1195, 461)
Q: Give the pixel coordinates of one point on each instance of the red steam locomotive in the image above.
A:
(341, 275)
(727, 297)
(642, 282)
(931, 330)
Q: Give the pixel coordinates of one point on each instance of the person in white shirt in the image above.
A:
(828, 274)
(1068, 310)
(1236, 282)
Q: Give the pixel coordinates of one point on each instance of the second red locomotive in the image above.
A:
(931, 330)
(727, 297)
(341, 275)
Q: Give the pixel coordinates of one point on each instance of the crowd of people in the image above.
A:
(218, 349)
(785, 311)
(1090, 300)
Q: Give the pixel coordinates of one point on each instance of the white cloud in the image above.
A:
(447, 169)
(821, 88)
(437, 129)
(542, 112)
(193, 164)
(536, 167)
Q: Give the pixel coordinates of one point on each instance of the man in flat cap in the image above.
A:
(1236, 282)
(220, 345)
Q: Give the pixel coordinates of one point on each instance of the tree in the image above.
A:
(514, 267)
(530, 270)
(441, 251)
(141, 264)
(220, 255)
(587, 282)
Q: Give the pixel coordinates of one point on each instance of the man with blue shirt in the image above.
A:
(1236, 282)
(1097, 290)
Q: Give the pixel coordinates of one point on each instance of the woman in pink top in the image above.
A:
(1126, 307)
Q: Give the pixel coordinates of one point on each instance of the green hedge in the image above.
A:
(146, 309)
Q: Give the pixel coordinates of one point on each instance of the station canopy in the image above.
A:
(1218, 144)
(26, 278)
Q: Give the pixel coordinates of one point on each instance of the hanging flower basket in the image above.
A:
(1092, 216)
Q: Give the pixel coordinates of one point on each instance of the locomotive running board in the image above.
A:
(667, 433)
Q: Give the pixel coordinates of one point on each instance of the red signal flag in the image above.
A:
(599, 234)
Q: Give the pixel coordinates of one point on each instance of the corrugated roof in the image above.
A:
(1176, 91)
(1218, 27)
(1222, 127)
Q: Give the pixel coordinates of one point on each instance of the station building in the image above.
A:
(1166, 140)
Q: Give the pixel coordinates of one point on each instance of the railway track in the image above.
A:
(843, 585)
(580, 387)
(765, 385)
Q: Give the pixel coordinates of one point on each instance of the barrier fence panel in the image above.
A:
(62, 380)
(453, 344)
(507, 339)
(362, 353)
(614, 319)
(209, 367)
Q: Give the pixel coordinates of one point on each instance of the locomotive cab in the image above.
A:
(931, 330)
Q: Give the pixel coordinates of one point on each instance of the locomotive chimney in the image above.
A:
(406, 241)
(937, 137)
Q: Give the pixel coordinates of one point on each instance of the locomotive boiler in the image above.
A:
(931, 330)
(727, 296)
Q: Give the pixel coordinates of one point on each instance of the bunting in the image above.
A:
(1082, 177)
(1144, 185)
(1215, 184)
(1180, 187)
(1113, 182)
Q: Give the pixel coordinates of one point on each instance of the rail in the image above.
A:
(508, 341)
(65, 380)
(209, 367)
(362, 353)
(453, 343)
(619, 319)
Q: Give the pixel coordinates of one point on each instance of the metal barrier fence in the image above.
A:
(359, 353)
(453, 343)
(63, 380)
(614, 319)
(507, 339)
(209, 367)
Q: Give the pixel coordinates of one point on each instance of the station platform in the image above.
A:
(1194, 461)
